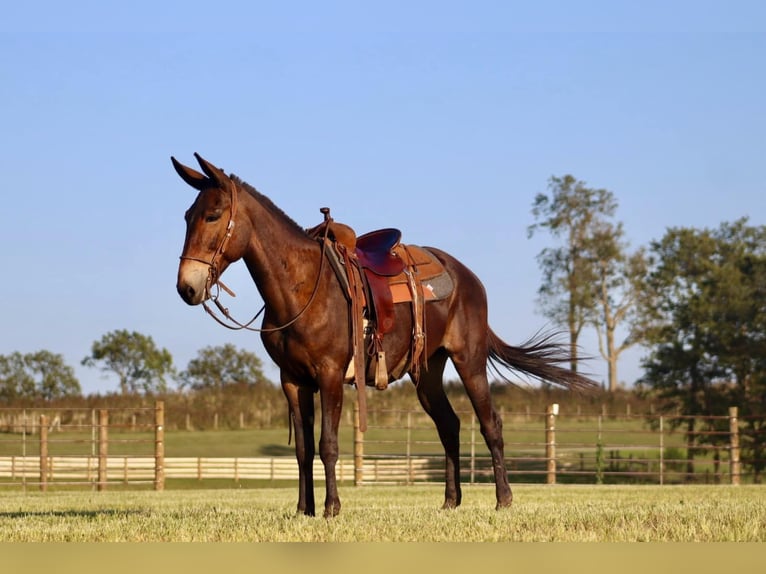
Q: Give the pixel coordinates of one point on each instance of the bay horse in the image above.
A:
(306, 329)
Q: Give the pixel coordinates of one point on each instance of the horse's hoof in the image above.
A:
(501, 504)
(332, 510)
(305, 512)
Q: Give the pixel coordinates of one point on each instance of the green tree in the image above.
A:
(215, 368)
(571, 213)
(140, 366)
(40, 375)
(705, 326)
(15, 381)
(227, 381)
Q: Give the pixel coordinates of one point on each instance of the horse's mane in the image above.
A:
(266, 202)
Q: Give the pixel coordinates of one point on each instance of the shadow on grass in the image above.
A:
(90, 514)
(276, 450)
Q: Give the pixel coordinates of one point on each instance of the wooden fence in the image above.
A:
(400, 447)
(553, 447)
(41, 466)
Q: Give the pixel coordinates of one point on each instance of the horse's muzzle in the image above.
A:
(192, 282)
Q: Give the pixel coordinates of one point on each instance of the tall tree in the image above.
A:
(571, 213)
(617, 285)
(40, 375)
(140, 366)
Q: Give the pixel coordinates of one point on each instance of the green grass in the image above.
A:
(540, 513)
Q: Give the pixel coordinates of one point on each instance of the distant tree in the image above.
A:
(571, 213)
(15, 381)
(40, 375)
(215, 368)
(139, 365)
(618, 283)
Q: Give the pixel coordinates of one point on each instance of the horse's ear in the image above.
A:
(214, 173)
(191, 176)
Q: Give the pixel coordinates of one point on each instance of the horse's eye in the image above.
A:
(213, 217)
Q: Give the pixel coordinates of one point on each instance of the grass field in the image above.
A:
(373, 514)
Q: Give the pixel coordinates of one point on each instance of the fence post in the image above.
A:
(734, 464)
(93, 432)
(550, 442)
(358, 449)
(662, 451)
(473, 447)
(159, 445)
(43, 453)
(103, 447)
(600, 453)
(408, 452)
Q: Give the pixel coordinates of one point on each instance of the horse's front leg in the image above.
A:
(301, 402)
(332, 404)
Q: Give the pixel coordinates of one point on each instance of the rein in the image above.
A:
(213, 279)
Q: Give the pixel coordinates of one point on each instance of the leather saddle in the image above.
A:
(377, 272)
(379, 254)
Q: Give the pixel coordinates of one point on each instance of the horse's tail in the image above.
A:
(539, 357)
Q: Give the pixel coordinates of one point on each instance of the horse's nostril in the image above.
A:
(186, 292)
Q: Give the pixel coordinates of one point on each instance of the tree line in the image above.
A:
(138, 364)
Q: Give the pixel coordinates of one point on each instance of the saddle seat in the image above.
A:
(375, 251)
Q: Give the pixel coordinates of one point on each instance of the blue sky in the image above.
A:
(444, 119)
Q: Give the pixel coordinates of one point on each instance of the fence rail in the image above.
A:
(400, 447)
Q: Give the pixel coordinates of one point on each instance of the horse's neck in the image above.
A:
(282, 259)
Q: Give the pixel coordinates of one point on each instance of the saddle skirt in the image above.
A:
(421, 275)
(422, 279)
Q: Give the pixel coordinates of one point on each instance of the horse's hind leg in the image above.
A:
(477, 387)
(434, 401)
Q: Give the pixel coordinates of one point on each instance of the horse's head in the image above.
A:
(210, 244)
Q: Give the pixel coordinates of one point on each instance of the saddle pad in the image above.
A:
(435, 289)
(420, 262)
(428, 271)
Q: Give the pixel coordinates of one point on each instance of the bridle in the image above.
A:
(213, 277)
(214, 280)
